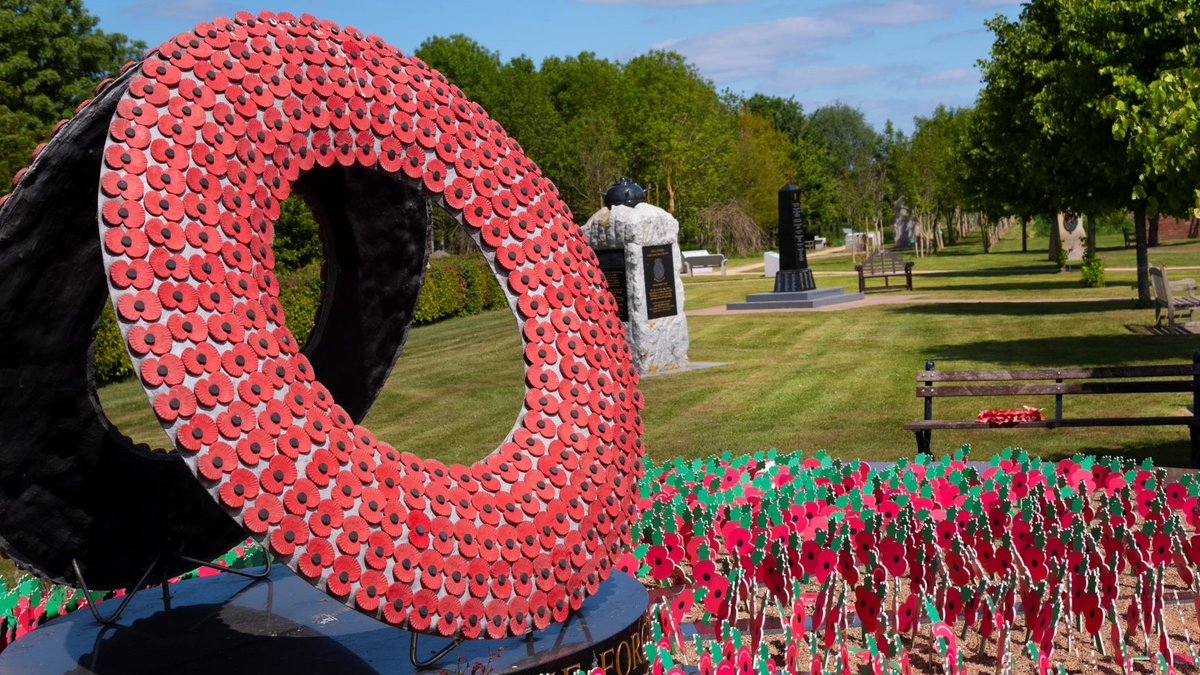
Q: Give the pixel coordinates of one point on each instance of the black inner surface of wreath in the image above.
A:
(72, 487)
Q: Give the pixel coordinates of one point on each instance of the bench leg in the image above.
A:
(1195, 446)
(923, 441)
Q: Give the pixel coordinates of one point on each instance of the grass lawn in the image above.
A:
(841, 381)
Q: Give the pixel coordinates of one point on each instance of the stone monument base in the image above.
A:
(819, 297)
(792, 281)
(228, 624)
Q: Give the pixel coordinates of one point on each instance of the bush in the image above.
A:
(1114, 221)
(483, 293)
(111, 362)
(1060, 257)
(297, 239)
(300, 298)
(1092, 272)
(457, 286)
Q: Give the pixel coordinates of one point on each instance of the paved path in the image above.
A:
(746, 269)
(898, 299)
(823, 253)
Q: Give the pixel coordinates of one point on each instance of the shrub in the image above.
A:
(1092, 272)
(111, 362)
(300, 298)
(444, 293)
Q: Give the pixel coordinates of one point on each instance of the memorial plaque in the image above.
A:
(659, 268)
(612, 263)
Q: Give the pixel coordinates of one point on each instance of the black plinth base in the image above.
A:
(226, 624)
(791, 281)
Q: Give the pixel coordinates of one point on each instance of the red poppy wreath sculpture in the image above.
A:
(211, 132)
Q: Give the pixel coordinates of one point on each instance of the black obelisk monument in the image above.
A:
(794, 285)
(793, 274)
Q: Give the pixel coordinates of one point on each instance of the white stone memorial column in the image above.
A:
(638, 248)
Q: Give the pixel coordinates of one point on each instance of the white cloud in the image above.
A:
(891, 13)
(750, 51)
(951, 78)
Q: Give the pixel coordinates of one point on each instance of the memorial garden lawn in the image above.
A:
(836, 380)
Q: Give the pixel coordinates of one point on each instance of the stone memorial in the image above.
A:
(159, 197)
(637, 245)
(794, 284)
(1073, 235)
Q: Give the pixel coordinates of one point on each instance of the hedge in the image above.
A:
(454, 286)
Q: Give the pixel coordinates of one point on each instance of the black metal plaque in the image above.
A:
(659, 267)
(612, 263)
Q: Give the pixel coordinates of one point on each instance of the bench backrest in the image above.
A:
(882, 261)
(705, 260)
(1126, 380)
(1162, 287)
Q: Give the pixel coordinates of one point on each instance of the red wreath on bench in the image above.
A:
(1006, 417)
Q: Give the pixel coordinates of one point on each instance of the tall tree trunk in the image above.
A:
(1053, 254)
(1024, 234)
(670, 195)
(1143, 263)
(1152, 235)
(1091, 234)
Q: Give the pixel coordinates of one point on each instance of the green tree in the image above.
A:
(585, 91)
(854, 156)
(521, 102)
(759, 164)
(674, 128)
(51, 57)
(810, 171)
(464, 62)
(1077, 62)
(297, 236)
(1157, 112)
(930, 173)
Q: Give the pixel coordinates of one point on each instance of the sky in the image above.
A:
(892, 59)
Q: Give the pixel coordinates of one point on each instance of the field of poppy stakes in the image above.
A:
(759, 563)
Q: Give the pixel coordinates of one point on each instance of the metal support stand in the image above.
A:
(166, 594)
(110, 620)
(421, 665)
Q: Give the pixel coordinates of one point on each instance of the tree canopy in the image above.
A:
(51, 57)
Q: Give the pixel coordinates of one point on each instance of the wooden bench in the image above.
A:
(932, 384)
(1130, 238)
(882, 264)
(691, 262)
(1171, 297)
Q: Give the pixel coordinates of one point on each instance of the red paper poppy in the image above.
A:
(216, 461)
(291, 534)
(167, 370)
(346, 571)
(240, 486)
(301, 497)
(318, 556)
